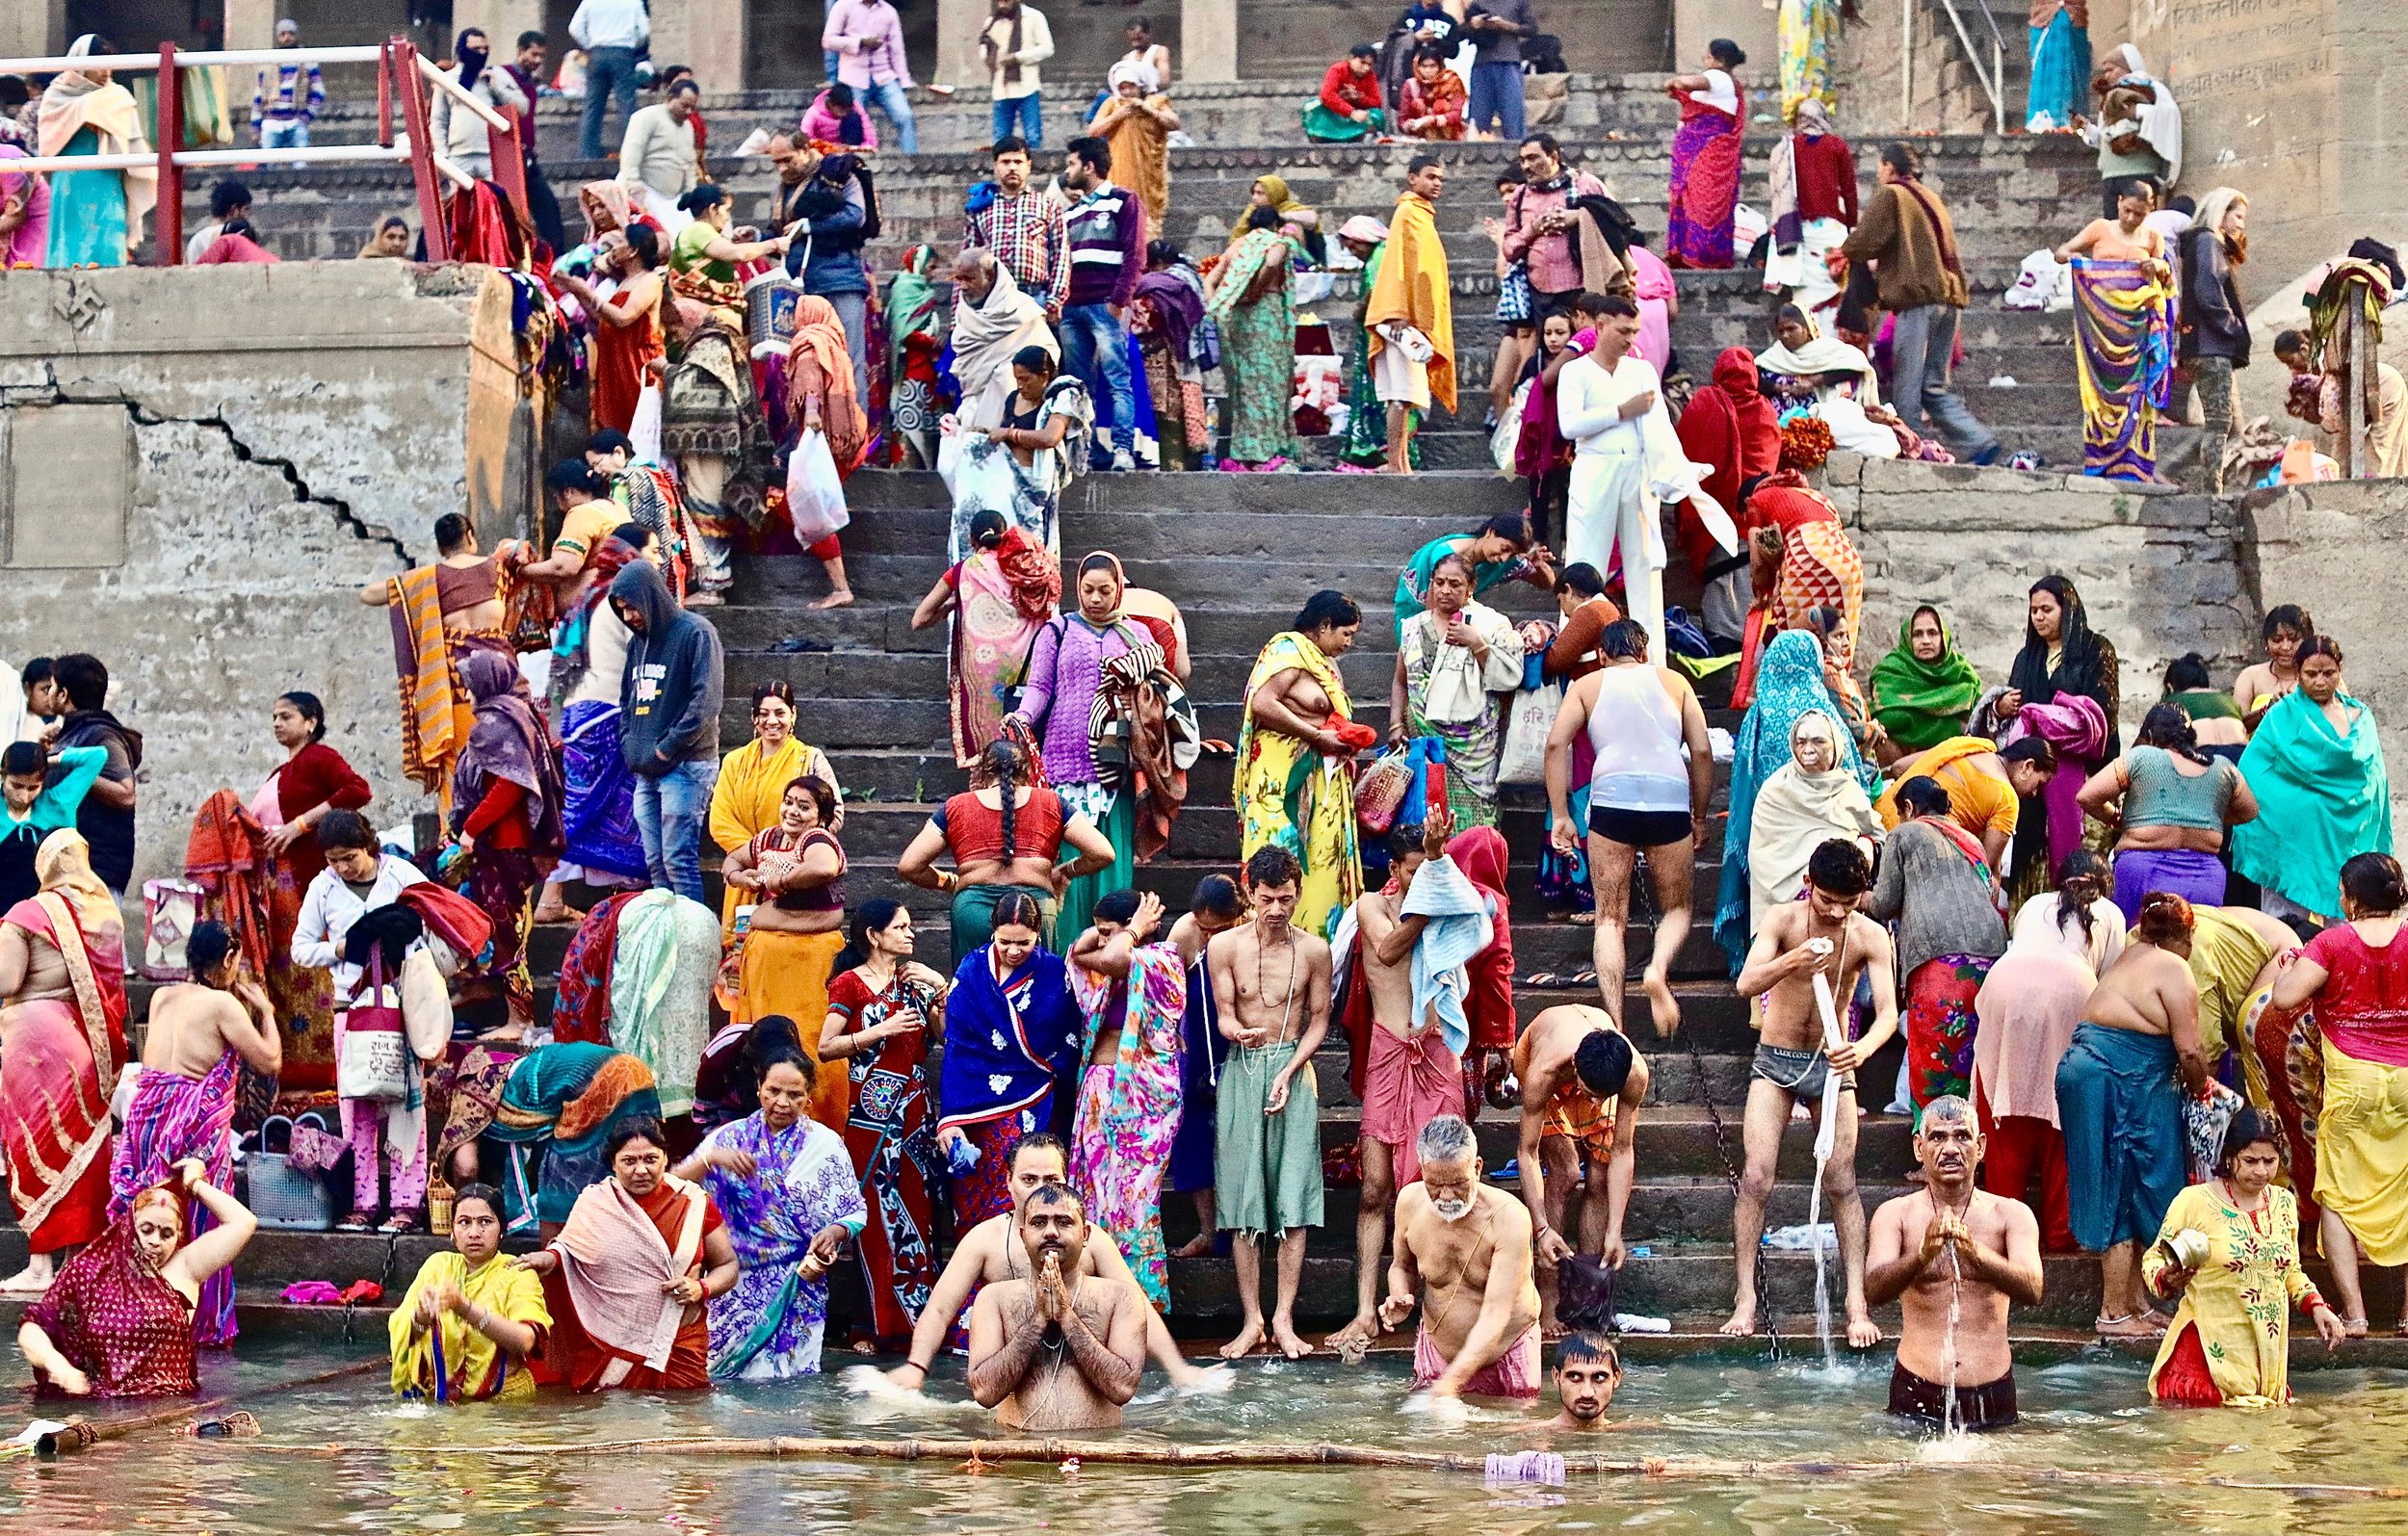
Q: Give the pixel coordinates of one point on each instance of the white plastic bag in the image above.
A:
(645, 431)
(815, 494)
(1508, 437)
(1523, 759)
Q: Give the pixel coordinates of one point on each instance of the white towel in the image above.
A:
(1458, 928)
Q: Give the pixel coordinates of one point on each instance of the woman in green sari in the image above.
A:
(1248, 297)
(1504, 548)
(1922, 690)
(1367, 418)
(915, 325)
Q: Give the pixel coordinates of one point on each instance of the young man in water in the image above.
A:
(1589, 1373)
(990, 1253)
(1821, 936)
(1061, 1350)
(1950, 1244)
(1270, 986)
(1410, 1075)
(1582, 1088)
(1470, 1246)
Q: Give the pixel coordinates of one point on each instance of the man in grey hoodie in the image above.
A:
(668, 723)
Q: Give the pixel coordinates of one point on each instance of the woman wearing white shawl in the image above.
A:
(1801, 351)
(1808, 801)
(1457, 662)
(95, 216)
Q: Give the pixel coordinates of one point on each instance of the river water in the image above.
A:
(2349, 1427)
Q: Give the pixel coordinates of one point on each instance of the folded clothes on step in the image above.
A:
(1801, 1239)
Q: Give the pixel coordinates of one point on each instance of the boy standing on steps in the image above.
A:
(1823, 936)
(1582, 1088)
(1411, 311)
(1270, 985)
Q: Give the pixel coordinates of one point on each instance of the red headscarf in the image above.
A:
(1732, 428)
(1479, 852)
(112, 1316)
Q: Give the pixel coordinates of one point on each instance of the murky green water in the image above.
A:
(2348, 1427)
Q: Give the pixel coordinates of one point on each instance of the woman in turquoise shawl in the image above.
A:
(915, 324)
(95, 216)
(1923, 689)
(1250, 300)
(1789, 685)
(1503, 549)
(1367, 416)
(2316, 766)
(551, 1110)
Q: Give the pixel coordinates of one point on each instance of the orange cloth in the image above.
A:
(1412, 289)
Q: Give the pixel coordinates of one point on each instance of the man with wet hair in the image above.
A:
(1589, 1373)
(1582, 1088)
(1469, 1244)
(1063, 1349)
(1823, 936)
(1271, 988)
(1954, 1256)
(1217, 906)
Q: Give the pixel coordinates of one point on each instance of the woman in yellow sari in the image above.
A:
(1292, 784)
(468, 1322)
(792, 876)
(754, 778)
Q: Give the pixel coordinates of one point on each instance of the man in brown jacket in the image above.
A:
(1908, 237)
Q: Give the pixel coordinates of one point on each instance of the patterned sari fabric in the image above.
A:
(598, 812)
(1940, 1025)
(1809, 32)
(115, 1321)
(2281, 1055)
(1705, 189)
(581, 1010)
(1127, 1113)
(170, 1119)
(889, 1135)
(769, 1326)
(1004, 1040)
(2228, 1345)
(556, 1107)
(2124, 336)
(1288, 795)
(1255, 308)
(437, 711)
(63, 1057)
(1001, 598)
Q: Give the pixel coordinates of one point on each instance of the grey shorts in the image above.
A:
(1804, 1073)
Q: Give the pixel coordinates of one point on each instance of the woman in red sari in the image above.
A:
(313, 779)
(627, 1278)
(62, 1034)
(1705, 190)
(883, 1014)
(627, 335)
(119, 1322)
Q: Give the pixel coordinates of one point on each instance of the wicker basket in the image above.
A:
(285, 1198)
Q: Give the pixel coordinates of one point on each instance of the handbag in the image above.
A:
(1523, 759)
(372, 1060)
(1506, 439)
(1380, 791)
(284, 1189)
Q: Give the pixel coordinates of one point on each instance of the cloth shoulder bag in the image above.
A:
(1523, 758)
(374, 1061)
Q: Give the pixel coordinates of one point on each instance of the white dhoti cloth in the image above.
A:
(1397, 378)
(663, 208)
(1609, 512)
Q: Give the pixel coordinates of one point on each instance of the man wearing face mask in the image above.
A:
(1479, 1328)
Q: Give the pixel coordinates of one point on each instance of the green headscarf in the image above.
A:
(1923, 703)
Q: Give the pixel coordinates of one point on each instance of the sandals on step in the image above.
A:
(356, 1221)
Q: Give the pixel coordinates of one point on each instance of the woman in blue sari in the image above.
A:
(786, 1186)
(1011, 1029)
(95, 216)
(1788, 686)
(550, 1111)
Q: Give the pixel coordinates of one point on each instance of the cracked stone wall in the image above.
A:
(203, 468)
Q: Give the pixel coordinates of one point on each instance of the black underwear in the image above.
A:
(1989, 1406)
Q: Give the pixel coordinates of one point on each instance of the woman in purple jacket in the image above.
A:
(1065, 669)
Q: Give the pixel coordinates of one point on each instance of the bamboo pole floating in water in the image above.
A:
(82, 1434)
(999, 1453)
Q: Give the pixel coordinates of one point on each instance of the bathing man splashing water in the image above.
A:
(1949, 1241)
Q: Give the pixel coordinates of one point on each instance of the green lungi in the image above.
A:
(974, 914)
(1269, 1171)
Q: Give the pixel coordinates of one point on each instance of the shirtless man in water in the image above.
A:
(990, 1253)
(1271, 987)
(1823, 935)
(1951, 1244)
(1582, 1088)
(1469, 1246)
(1410, 1075)
(1589, 1373)
(1063, 1350)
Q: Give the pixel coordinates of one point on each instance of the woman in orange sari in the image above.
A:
(628, 1277)
(63, 1034)
(819, 393)
(627, 335)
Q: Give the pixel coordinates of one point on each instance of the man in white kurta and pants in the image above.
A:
(1626, 459)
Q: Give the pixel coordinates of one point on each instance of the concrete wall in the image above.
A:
(2160, 573)
(203, 467)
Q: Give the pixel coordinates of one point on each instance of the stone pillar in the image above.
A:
(32, 29)
(708, 36)
(1208, 40)
(959, 60)
(250, 23)
(501, 21)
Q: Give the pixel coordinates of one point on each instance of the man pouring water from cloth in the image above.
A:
(1954, 1256)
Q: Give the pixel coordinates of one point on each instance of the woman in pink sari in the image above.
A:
(999, 595)
(62, 1034)
(1134, 993)
(1705, 189)
(24, 213)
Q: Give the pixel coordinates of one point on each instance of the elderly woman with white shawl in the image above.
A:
(1808, 801)
(95, 216)
(1457, 661)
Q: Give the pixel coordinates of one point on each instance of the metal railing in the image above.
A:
(406, 83)
(1993, 80)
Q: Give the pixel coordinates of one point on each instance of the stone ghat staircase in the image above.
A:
(2007, 197)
